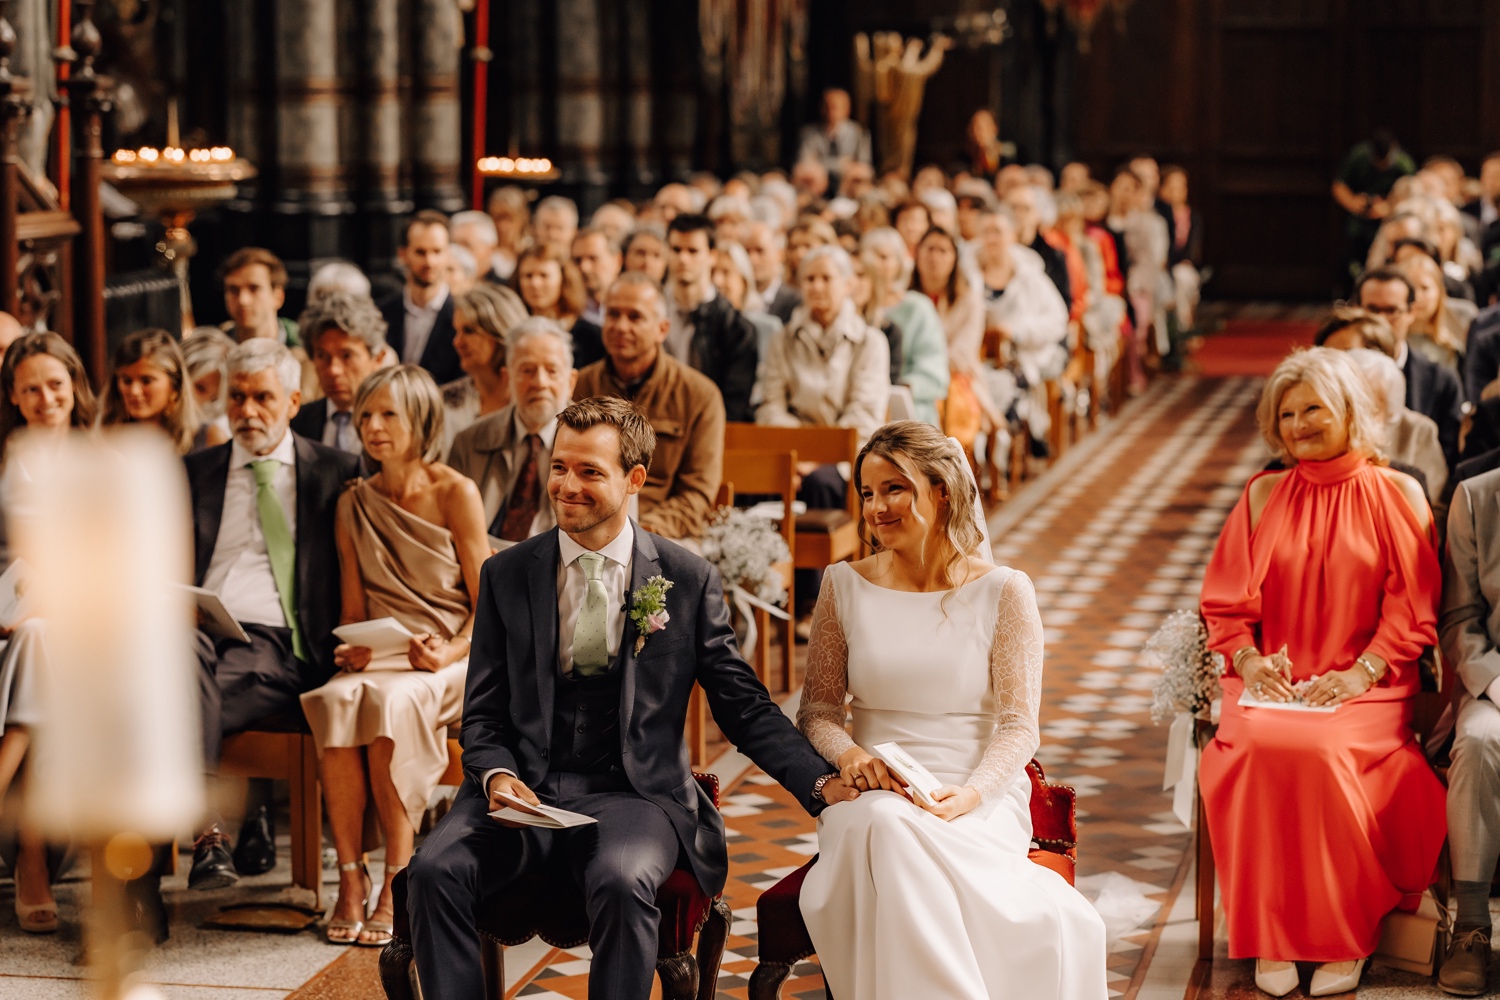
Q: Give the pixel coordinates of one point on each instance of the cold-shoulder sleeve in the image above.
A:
(820, 716)
(1016, 684)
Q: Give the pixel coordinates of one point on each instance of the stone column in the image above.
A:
(309, 172)
(580, 101)
(528, 30)
(435, 126)
(377, 128)
(636, 99)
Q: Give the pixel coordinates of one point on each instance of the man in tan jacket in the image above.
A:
(684, 407)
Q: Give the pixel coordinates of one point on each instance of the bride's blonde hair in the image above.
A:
(925, 455)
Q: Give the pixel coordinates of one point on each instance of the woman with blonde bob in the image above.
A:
(411, 540)
(941, 651)
(1322, 591)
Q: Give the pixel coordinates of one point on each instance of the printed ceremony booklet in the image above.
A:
(1248, 700)
(919, 781)
(213, 617)
(552, 818)
(388, 641)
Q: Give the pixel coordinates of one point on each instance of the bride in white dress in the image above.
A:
(942, 653)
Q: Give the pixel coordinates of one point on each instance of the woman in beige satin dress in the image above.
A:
(411, 540)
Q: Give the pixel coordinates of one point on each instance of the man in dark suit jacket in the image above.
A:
(766, 248)
(571, 703)
(419, 321)
(706, 331)
(1431, 389)
(263, 540)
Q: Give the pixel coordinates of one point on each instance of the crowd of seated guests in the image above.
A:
(337, 457)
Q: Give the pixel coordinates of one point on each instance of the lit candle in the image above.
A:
(120, 751)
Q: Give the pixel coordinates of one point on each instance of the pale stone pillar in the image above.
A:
(435, 124)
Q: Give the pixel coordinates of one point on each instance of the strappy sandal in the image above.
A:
(383, 930)
(347, 932)
(38, 919)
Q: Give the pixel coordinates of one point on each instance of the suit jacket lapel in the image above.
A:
(542, 592)
(209, 491)
(644, 565)
(308, 490)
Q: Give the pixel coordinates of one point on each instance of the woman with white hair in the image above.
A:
(1322, 591)
(924, 341)
(338, 276)
(1411, 438)
(735, 280)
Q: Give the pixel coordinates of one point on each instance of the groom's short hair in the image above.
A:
(637, 439)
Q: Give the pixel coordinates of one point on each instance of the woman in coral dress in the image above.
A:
(1323, 587)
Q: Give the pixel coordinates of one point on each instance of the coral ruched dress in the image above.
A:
(1322, 823)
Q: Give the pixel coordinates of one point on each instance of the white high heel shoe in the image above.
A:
(1275, 978)
(1336, 977)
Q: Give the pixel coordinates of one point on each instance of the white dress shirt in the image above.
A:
(572, 585)
(240, 571)
(419, 323)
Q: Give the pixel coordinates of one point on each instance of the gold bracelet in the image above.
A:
(1369, 668)
(1241, 655)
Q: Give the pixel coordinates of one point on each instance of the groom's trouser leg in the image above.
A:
(466, 858)
(621, 863)
(1474, 791)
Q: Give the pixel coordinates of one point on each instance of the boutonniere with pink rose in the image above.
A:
(648, 609)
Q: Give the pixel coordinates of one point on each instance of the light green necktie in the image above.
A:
(281, 548)
(591, 634)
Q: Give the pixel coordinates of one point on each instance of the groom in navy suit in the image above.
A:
(571, 703)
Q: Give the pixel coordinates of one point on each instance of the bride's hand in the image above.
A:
(952, 801)
(866, 773)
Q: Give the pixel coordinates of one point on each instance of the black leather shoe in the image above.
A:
(146, 911)
(255, 850)
(213, 868)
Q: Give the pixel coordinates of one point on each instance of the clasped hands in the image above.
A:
(1270, 678)
(425, 652)
(860, 771)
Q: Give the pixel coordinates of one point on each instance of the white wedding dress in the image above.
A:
(902, 904)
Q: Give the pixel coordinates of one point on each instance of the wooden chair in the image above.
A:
(549, 905)
(771, 472)
(824, 537)
(283, 750)
(784, 940)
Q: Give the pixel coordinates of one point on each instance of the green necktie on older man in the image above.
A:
(281, 548)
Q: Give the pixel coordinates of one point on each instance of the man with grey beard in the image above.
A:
(263, 540)
(508, 453)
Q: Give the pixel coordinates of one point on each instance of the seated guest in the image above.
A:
(263, 534)
(463, 270)
(1022, 202)
(646, 253)
(149, 385)
(734, 278)
(1336, 593)
(411, 540)
(550, 285)
(419, 321)
(206, 352)
(829, 368)
(836, 141)
(555, 223)
(1410, 442)
(1431, 389)
(1350, 327)
(924, 342)
(254, 282)
(1186, 253)
(862, 294)
(806, 234)
(1468, 629)
(1439, 325)
(347, 337)
(475, 232)
(340, 276)
(44, 391)
(1026, 310)
(684, 407)
(511, 212)
(766, 245)
(615, 219)
(706, 332)
(973, 406)
(598, 259)
(481, 319)
(912, 220)
(508, 453)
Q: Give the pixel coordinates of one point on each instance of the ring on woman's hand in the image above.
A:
(1260, 689)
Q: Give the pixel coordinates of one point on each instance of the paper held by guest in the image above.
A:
(213, 617)
(919, 781)
(1249, 700)
(386, 638)
(551, 818)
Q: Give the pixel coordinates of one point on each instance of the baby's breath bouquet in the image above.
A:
(1190, 675)
(743, 548)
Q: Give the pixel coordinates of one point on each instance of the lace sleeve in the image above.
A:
(1016, 684)
(820, 716)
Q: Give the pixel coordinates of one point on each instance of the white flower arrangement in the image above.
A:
(743, 548)
(1190, 670)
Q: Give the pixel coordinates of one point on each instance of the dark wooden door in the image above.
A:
(1260, 100)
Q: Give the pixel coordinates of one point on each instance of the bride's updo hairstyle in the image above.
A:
(925, 455)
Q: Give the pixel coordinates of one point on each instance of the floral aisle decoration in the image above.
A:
(745, 549)
(1185, 693)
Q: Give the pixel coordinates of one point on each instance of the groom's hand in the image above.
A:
(511, 785)
(835, 791)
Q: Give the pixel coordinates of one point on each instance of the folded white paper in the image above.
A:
(552, 818)
(387, 640)
(1249, 700)
(13, 605)
(919, 781)
(213, 617)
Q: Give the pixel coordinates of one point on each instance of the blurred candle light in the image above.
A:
(120, 753)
